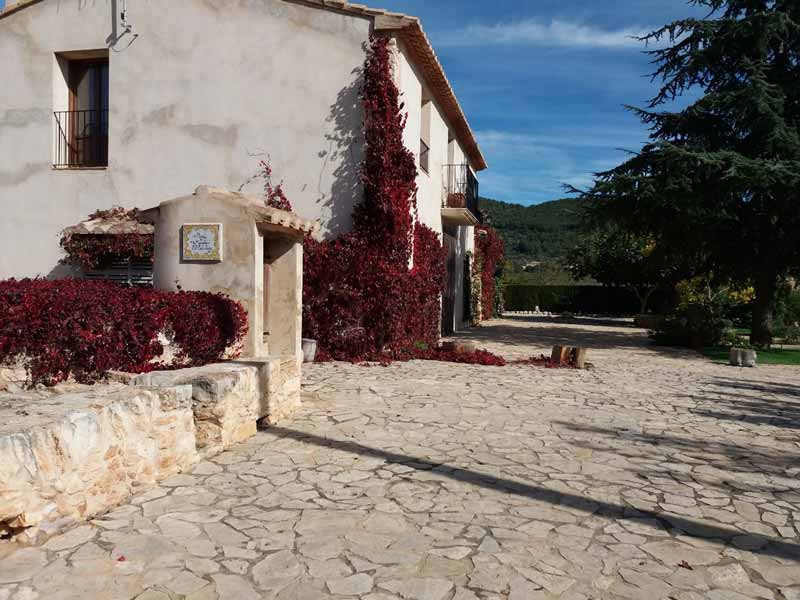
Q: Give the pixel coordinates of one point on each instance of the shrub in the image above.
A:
(787, 316)
(84, 329)
(693, 325)
(479, 357)
(205, 326)
(273, 194)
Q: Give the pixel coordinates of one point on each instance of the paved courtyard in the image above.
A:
(654, 475)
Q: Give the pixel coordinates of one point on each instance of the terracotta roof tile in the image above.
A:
(109, 226)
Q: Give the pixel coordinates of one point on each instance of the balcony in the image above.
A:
(81, 139)
(460, 196)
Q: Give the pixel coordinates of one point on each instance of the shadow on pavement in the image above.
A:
(712, 532)
(717, 454)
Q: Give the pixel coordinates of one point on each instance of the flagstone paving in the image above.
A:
(654, 475)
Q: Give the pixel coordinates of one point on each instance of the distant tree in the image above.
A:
(615, 257)
(542, 232)
(721, 177)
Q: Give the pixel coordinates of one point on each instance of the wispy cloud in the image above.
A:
(533, 32)
(530, 168)
(610, 138)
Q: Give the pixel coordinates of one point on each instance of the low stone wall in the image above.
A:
(72, 456)
(225, 401)
(282, 379)
(228, 399)
(76, 455)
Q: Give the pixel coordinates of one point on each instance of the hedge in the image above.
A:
(83, 329)
(586, 299)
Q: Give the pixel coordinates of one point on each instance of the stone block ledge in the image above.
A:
(229, 399)
(70, 457)
(76, 455)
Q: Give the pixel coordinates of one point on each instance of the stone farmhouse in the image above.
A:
(130, 103)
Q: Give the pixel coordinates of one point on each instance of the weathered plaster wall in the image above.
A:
(240, 273)
(242, 255)
(207, 90)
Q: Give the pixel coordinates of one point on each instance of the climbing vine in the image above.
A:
(489, 257)
(273, 194)
(374, 292)
(476, 292)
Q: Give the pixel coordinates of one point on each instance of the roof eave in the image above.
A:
(16, 6)
(409, 31)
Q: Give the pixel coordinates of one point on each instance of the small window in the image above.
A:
(424, 156)
(82, 129)
(425, 133)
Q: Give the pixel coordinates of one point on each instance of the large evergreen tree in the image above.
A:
(720, 178)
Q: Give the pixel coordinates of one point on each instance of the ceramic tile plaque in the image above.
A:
(201, 242)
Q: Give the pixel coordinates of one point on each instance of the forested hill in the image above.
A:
(543, 232)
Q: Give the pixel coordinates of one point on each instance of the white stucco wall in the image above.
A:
(431, 185)
(206, 91)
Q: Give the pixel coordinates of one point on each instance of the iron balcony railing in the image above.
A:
(81, 138)
(461, 189)
(424, 156)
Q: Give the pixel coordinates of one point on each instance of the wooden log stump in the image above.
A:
(560, 354)
(462, 347)
(569, 355)
(579, 357)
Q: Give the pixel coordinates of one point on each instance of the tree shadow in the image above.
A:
(344, 148)
(773, 405)
(586, 334)
(758, 386)
(715, 453)
(713, 533)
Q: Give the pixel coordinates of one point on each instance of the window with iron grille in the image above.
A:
(82, 129)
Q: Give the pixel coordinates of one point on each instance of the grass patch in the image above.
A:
(776, 356)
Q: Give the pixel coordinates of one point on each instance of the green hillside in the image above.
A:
(543, 232)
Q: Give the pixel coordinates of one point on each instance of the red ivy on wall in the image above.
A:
(361, 298)
(98, 251)
(489, 245)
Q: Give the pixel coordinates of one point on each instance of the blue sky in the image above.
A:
(543, 83)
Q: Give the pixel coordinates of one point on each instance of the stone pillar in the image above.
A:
(285, 296)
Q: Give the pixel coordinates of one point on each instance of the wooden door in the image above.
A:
(449, 296)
